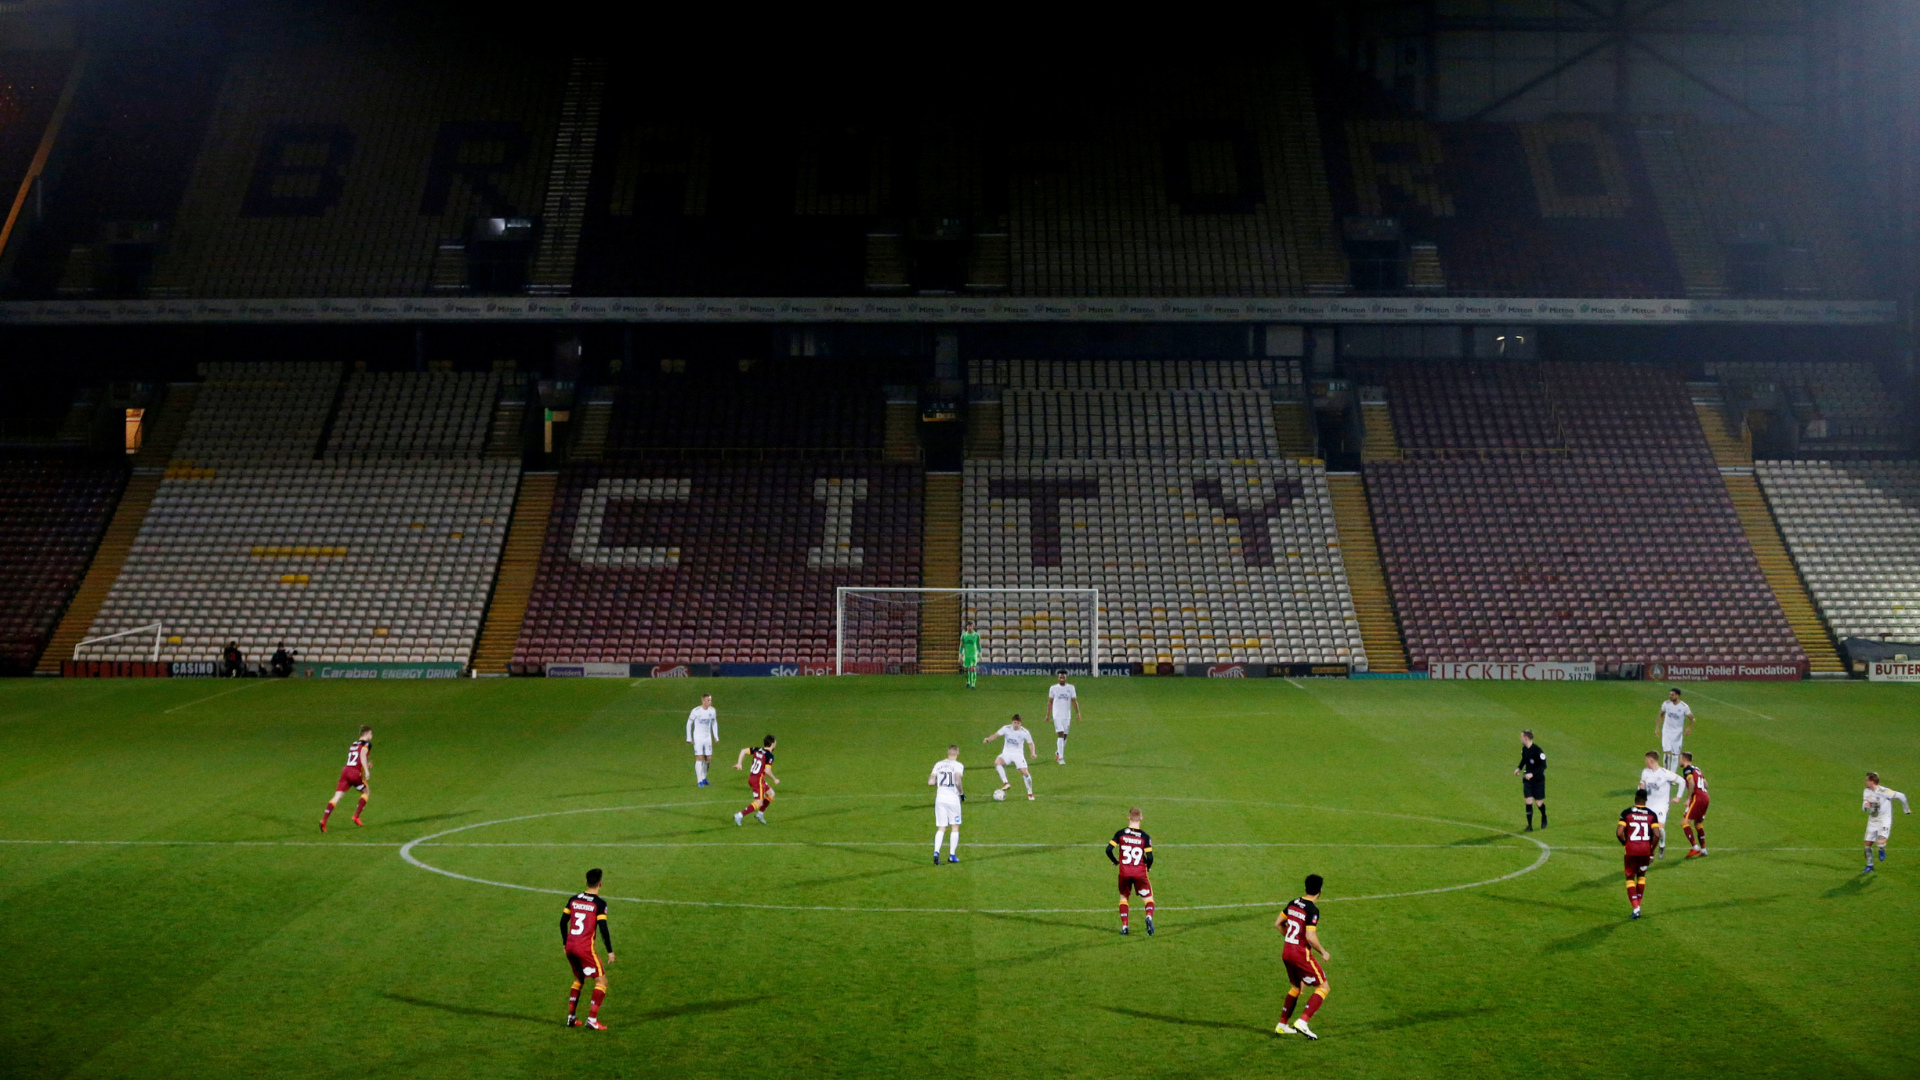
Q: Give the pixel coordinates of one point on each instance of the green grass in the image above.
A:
(270, 951)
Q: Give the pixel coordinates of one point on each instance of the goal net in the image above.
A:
(1041, 629)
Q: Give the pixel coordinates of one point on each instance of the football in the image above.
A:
(999, 795)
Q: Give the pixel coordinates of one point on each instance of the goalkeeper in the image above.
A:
(970, 656)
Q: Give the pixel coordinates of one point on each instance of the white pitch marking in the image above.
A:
(1742, 708)
(1298, 683)
(222, 693)
(406, 853)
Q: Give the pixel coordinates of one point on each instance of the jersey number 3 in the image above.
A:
(579, 923)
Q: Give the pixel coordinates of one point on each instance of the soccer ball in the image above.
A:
(999, 795)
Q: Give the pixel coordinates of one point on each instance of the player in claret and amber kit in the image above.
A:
(586, 913)
(1299, 926)
(760, 780)
(1131, 849)
(1694, 821)
(358, 773)
(1639, 830)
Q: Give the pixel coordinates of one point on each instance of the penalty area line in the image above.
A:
(210, 697)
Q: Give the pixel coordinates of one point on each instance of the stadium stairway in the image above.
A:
(986, 438)
(900, 442)
(1380, 443)
(169, 423)
(1360, 552)
(503, 437)
(104, 570)
(940, 569)
(1728, 451)
(596, 417)
(513, 582)
(1783, 577)
(1293, 430)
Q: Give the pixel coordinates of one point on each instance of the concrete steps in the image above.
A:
(940, 569)
(1380, 444)
(985, 437)
(1294, 431)
(503, 437)
(513, 581)
(901, 442)
(1360, 552)
(1729, 451)
(1763, 533)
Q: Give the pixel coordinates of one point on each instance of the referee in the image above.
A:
(1533, 778)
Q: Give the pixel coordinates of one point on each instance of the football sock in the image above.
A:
(1149, 908)
(699, 770)
(599, 995)
(1286, 1012)
(1313, 1004)
(1028, 777)
(326, 811)
(953, 841)
(1529, 815)
(1123, 914)
(573, 1001)
(362, 806)
(1060, 746)
(1543, 814)
(1002, 770)
(938, 835)
(971, 677)
(1700, 831)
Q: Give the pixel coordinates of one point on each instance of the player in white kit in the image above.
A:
(948, 794)
(1877, 800)
(1013, 752)
(1065, 703)
(703, 730)
(1660, 784)
(1676, 723)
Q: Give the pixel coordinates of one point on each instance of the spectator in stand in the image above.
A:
(233, 659)
(282, 661)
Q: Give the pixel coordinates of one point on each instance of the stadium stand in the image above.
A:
(1550, 209)
(708, 562)
(1839, 406)
(294, 190)
(1164, 487)
(1486, 404)
(433, 414)
(1751, 211)
(246, 412)
(1854, 530)
(53, 509)
(1196, 187)
(249, 538)
(1622, 548)
(379, 562)
(1197, 561)
(811, 403)
(1142, 424)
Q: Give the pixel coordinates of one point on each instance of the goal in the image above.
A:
(159, 631)
(979, 605)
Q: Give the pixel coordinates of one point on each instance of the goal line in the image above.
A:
(918, 595)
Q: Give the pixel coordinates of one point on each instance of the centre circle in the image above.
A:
(407, 852)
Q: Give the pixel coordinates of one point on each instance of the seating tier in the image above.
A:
(1196, 561)
(386, 562)
(1854, 530)
(652, 561)
(413, 415)
(52, 512)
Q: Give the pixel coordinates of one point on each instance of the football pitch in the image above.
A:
(168, 907)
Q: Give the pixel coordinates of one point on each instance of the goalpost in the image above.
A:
(917, 594)
(158, 629)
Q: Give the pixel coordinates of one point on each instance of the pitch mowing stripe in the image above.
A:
(406, 853)
(782, 843)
